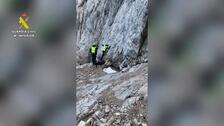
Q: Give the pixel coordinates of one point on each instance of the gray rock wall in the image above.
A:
(121, 23)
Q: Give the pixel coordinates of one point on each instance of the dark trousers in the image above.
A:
(94, 59)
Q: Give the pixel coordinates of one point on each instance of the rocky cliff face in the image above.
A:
(121, 23)
(119, 98)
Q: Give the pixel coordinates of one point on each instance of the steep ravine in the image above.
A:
(121, 23)
(120, 98)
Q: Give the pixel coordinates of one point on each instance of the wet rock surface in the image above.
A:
(116, 99)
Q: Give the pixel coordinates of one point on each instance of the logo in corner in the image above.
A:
(24, 28)
(23, 19)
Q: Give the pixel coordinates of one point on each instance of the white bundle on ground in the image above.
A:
(109, 70)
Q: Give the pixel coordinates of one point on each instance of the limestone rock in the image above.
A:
(107, 99)
(82, 123)
(120, 23)
(107, 108)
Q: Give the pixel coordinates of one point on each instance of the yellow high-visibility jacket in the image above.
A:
(93, 50)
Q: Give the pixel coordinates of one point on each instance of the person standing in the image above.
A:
(105, 49)
(93, 52)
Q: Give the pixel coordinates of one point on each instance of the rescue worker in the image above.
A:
(105, 49)
(93, 52)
